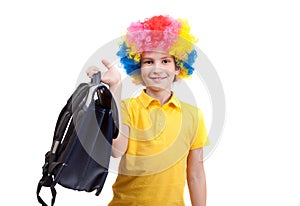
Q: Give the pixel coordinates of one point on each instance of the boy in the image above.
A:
(162, 138)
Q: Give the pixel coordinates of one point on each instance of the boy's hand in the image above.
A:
(111, 77)
(91, 71)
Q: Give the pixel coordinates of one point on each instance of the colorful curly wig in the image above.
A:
(158, 32)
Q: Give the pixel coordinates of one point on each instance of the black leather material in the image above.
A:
(80, 153)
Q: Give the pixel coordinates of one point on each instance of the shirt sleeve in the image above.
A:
(200, 139)
(125, 112)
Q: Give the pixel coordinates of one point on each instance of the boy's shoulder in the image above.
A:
(187, 107)
(130, 100)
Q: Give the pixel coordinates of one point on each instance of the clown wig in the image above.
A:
(158, 32)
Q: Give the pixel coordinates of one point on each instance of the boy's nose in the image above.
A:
(156, 69)
(157, 66)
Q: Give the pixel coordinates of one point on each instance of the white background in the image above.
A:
(253, 45)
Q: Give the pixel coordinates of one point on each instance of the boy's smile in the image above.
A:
(157, 78)
(158, 70)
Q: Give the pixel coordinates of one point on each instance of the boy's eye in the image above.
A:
(147, 62)
(165, 61)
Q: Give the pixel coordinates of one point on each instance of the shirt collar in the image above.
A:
(146, 100)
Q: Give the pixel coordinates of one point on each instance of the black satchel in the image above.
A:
(81, 148)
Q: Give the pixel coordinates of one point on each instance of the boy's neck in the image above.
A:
(163, 96)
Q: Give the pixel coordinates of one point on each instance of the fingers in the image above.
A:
(106, 64)
(92, 70)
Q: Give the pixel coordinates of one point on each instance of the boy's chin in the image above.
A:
(157, 88)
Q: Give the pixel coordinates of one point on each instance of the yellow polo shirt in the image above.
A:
(153, 170)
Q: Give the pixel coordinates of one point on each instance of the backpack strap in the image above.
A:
(53, 192)
(76, 100)
(46, 181)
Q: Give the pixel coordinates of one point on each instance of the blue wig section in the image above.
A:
(190, 61)
(123, 50)
(192, 57)
(189, 68)
(129, 64)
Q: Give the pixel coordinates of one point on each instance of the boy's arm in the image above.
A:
(196, 177)
(112, 78)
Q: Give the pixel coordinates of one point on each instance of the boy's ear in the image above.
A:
(177, 70)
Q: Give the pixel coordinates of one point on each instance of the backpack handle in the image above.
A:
(96, 79)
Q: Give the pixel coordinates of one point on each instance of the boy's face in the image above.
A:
(158, 70)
